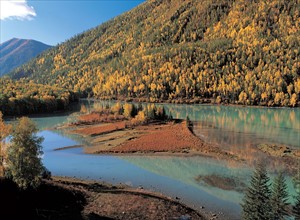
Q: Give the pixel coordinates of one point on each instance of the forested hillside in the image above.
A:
(230, 51)
(22, 97)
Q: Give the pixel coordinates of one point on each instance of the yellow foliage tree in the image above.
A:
(128, 110)
(4, 132)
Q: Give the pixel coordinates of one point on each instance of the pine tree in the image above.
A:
(279, 199)
(296, 208)
(189, 123)
(23, 156)
(256, 204)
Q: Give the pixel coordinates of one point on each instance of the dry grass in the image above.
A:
(101, 129)
(162, 138)
(98, 117)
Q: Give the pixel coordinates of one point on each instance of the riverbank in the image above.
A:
(68, 198)
(190, 101)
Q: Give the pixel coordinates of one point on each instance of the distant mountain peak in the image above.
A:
(16, 52)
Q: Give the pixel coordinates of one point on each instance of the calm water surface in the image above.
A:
(198, 181)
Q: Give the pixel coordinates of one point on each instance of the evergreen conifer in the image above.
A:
(256, 204)
(279, 199)
(296, 208)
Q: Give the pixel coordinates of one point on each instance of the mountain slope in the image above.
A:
(16, 52)
(231, 51)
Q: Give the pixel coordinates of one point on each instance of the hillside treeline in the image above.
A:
(22, 98)
(236, 51)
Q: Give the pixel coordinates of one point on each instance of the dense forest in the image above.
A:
(227, 51)
(26, 97)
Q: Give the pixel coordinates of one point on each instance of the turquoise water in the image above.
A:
(236, 125)
(167, 175)
(230, 127)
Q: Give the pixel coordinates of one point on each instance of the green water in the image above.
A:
(188, 169)
(197, 181)
(232, 125)
(236, 125)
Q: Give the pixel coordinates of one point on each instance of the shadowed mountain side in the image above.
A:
(16, 52)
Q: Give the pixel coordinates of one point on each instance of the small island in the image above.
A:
(131, 129)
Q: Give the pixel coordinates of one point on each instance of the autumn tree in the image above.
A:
(130, 110)
(4, 132)
(24, 154)
(117, 108)
(83, 109)
(25, 97)
(161, 113)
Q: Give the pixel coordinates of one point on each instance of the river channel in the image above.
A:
(204, 183)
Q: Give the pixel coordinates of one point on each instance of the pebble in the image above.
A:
(185, 217)
(214, 216)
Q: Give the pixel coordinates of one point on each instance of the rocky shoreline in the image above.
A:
(69, 198)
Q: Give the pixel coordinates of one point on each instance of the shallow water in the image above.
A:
(166, 175)
(235, 125)
(197, 181)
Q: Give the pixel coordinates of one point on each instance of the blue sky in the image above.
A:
(53, 22)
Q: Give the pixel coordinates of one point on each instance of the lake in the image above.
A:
(199, 182)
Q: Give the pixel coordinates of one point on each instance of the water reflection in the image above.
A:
(50, 122)
(264, 124)
(204, 173)
(235, 125)
(188, 169)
